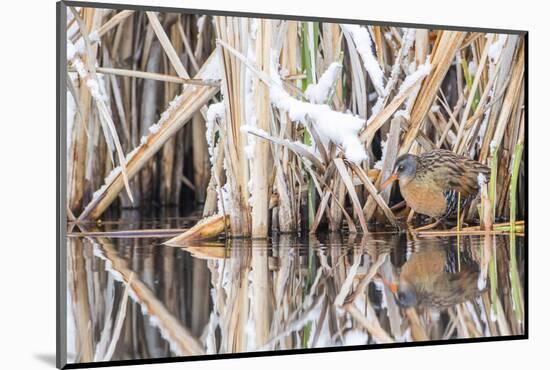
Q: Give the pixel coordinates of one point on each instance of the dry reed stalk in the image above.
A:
(190, 101)
(392, 145)
(262, 163)
(230, 30)
(506, 60)
(77, 150)
(472, 94)
(92, 83)
(373, 192)
(341, 167)
(207, 228)
(154, 76)
(169, 49)
(378, 121)
(144, 233)
(113, 22)
(441, 59)
(201, 165)
(512, 93)
(282, 158)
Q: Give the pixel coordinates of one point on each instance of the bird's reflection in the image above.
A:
(437, 275)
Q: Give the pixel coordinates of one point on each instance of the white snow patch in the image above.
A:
(493, 313)
(340, 128)
(378, 165)
(154, 128)
(111, 176)
(363, 43)
(319, 92)
(215, 111)
(483, 127)
(200, 22)
(421, 72)
(226, 196)
(472, 68)
(481, 179)
(94, 37)
(96, 90)
(71, 113)
(212, 70)
(402, 113)
(481, 282)
(496, 48)
(71, 50)
(493, 146)
(80, 69)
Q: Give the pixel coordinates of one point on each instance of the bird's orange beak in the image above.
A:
(385, 184)
(393, 286)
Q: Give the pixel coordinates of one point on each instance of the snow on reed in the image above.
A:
(363, 43)
(481, 179)
(496, 47)
(378, 165)
(214, 111)
(71, 113)
(340, 128)
(472, 68)
(249, 109)
(153, 129)
(407, 42)
(212, 70)
(409, 35)
(355, 337)
(319, 92)
(225, 198)
(421, 72)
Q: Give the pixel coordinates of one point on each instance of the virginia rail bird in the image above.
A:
(432, 278)
(431, 182)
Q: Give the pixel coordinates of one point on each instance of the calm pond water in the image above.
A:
(133, 298)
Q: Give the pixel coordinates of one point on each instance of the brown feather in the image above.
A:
(440, 175)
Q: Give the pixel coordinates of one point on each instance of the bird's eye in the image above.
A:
(400, 168)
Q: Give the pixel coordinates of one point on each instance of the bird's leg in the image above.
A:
(398, 206)
(462, 223)
(430, 226)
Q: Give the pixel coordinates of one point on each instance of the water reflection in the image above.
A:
(135, 298)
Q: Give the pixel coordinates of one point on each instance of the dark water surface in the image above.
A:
(133, 298)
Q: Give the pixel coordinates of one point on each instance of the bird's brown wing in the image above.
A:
(452, 172)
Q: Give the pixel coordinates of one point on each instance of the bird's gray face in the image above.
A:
(405, 168)
(404, 171)
(406, 297)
